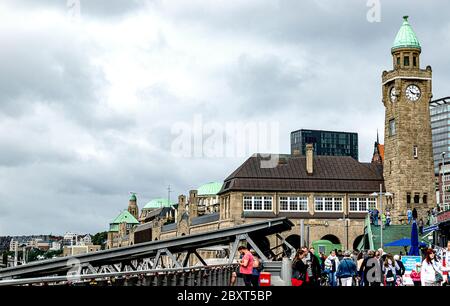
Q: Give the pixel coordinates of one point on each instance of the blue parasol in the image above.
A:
(414, 250)
(403, 242)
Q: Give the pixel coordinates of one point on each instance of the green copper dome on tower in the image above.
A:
(133, 197)
(406, 38)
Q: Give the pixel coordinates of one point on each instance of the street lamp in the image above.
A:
(345, 219)
(381, 194)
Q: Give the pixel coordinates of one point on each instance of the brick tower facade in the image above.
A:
(408, 165)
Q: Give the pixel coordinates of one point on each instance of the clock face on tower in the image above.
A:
(393, 94)
(413, 93)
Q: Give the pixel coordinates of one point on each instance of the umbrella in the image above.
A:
(403, 242)
(414, 250)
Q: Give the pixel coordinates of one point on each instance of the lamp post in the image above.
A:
(443, 180)
(381, 194)
(345, 219)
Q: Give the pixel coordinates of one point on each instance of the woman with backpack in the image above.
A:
(257, 268)
(390, 268)
(299, 269)
(430, 274)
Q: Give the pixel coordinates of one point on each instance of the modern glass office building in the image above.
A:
(440, 129)
(325, 143)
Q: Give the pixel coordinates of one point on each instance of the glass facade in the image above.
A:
(440, 129)
(325, 142)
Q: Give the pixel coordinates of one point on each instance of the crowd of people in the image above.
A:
(368, 268)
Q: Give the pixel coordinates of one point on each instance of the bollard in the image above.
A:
(286, 271)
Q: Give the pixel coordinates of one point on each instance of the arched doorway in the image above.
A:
(332, 238)
(357, 241)
(294, 240)
(263, 243)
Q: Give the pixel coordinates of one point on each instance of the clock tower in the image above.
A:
(408, 167)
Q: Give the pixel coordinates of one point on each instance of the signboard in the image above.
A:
(410, 263)
(444, 216)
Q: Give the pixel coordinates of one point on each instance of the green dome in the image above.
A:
(133, 197)
(209, 189)
(406, 38)
(158, 203)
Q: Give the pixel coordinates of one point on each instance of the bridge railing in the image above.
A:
(217, 275)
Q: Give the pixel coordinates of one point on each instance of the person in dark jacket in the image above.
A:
(299, 269)
(313, 264)
(414, 214)
(400, 271)
(371, 270)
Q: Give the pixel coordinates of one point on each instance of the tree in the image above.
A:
(100, 238)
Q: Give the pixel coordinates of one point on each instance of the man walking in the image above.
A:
(346, 270)
(246, 265)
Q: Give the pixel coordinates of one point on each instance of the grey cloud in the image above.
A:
(88, 8)
(265, 84)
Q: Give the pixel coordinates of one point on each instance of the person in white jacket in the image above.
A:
(331, 265)
(429, 269)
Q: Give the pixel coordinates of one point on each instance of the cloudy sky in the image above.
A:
(98, 99)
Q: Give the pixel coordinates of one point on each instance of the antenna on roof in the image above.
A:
(168, 195)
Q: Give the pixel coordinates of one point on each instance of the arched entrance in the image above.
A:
(357, 241)
(332, 238)
(294, 240)
(262, 242)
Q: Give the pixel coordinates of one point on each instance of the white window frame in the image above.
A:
(265, 200)
(358, 200)
(296, 200)
(322, 201)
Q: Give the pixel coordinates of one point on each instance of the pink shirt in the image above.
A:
(249, 268)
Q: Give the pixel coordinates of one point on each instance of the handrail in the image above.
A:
(79, 277)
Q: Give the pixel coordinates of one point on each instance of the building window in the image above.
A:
(408, 198)
(398, 61)
(392, 129)
(406, 61)
(328, 203)
(362, 204)
(259, 203)
(415, 152)
(293, 204)
(416, 198)
(415, 61)
(425, 198)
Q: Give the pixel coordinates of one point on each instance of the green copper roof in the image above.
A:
(133, 197)
(126, 217)
(406, 38)
(209, 189)
(158, 203)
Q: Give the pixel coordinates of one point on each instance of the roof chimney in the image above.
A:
(309, 158)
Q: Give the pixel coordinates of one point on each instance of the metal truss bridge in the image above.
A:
(164, 262)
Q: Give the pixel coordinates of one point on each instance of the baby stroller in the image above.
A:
(324, 279)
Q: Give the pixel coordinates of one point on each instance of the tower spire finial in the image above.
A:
(406, 17)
